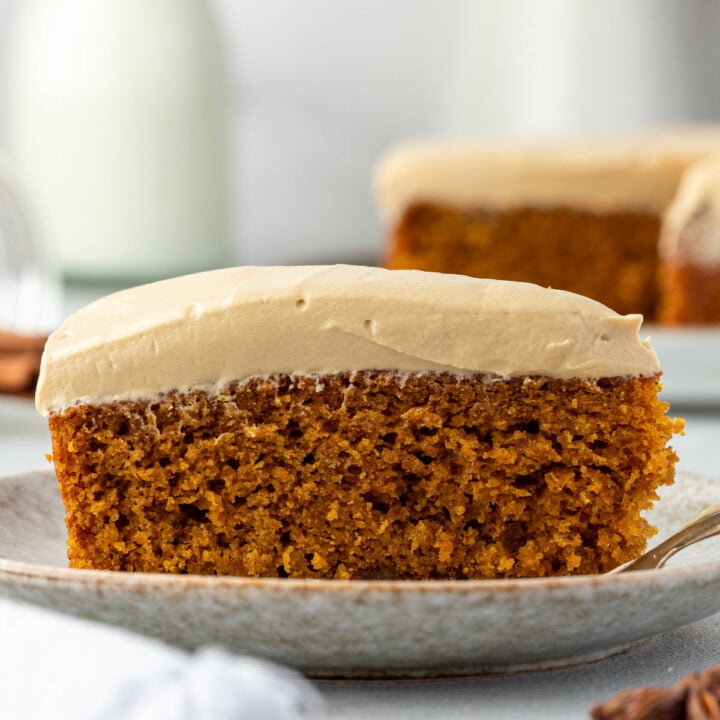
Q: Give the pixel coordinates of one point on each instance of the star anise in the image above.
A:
(695, 697)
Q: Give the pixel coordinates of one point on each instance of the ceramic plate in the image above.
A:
(369, 628)
(690, 359)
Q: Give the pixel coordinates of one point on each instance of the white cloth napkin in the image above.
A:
(54, 666)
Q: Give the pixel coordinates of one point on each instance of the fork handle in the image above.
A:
(706, 526)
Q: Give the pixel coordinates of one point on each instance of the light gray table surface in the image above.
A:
(568, 693)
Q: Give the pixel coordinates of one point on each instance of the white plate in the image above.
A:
(368, 628)
(690, 360)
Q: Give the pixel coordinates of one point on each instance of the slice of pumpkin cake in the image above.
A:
(352, 422)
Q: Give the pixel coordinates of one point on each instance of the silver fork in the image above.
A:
(705, 525)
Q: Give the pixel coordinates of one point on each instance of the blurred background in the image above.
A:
(151, 138)
(146, 138)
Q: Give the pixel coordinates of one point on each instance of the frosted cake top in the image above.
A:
(215, 327)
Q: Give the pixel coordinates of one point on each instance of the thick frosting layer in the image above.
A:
(633, 174)
(225, 325)
(691, 227)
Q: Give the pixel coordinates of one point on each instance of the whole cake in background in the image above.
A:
(350, 422)
(584, 217)
(690, 249)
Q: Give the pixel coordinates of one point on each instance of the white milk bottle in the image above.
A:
(117, 124)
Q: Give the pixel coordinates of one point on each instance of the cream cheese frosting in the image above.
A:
(631, 174)
(691, 226)
(216, 327)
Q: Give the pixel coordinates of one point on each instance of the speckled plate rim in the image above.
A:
(205, 582)
(380, 628)
(122, 579)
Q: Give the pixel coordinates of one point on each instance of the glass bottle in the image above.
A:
(116, 119)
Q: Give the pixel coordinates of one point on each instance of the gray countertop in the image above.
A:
(558, 694)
